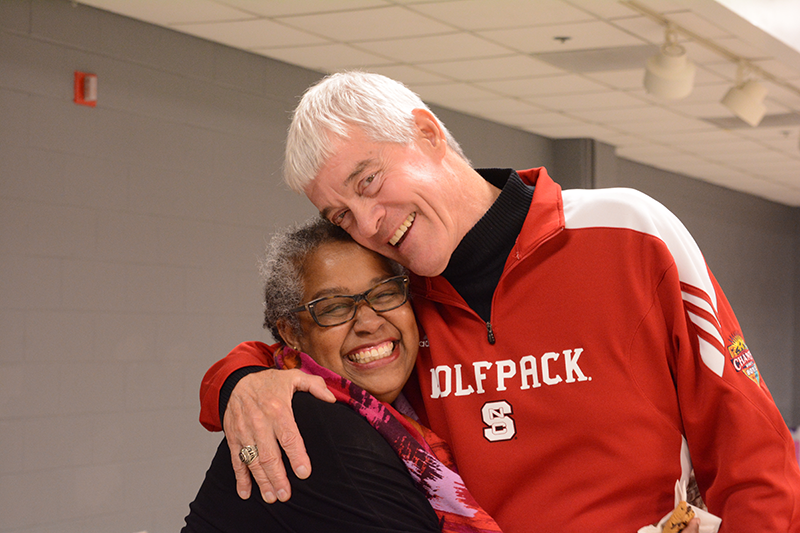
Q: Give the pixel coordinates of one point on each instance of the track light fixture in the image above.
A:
(746, 99)
(670, 74)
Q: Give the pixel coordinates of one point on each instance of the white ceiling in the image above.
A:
(501, 60)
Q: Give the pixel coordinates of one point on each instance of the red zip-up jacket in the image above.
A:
(612, 365)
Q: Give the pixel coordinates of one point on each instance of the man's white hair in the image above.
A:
(381, 107)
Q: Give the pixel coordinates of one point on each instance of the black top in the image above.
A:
(357, 484)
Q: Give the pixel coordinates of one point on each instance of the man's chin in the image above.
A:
(416, 261)
(423, 268)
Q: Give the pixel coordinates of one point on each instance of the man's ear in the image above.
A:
(429, 130)
(287, 333)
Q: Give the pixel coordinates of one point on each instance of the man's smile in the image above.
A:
(401, 231)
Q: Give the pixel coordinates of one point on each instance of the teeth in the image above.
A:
(372, 354)
(402, 229)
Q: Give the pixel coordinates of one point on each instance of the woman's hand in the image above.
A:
(260, 412)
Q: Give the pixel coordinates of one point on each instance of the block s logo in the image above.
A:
(500, 425)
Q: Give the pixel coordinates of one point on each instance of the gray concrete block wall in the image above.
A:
(129, 240)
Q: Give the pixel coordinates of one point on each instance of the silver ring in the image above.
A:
(248, 454)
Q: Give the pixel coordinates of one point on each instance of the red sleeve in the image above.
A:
(738, 442)
(740, 446)
(246, 354)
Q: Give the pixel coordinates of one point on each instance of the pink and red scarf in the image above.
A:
(426, 456)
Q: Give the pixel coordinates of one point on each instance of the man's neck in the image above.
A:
(477, 196)
(476, 265)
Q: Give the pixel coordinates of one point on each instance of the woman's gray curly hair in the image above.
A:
(283, 265)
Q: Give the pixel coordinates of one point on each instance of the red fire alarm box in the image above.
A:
(85, 89)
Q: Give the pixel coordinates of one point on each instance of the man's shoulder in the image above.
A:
(614, 207)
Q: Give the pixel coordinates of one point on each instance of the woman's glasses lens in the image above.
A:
(385, 296)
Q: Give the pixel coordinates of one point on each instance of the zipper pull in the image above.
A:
(490, 332)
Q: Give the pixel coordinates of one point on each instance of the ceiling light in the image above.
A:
(670, 74)
(746, 100)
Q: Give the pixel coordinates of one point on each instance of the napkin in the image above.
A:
(708, 522)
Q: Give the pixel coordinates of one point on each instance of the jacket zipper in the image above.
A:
(490, 333)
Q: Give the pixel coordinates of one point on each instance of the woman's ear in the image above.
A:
(288, 334)
(429, 130)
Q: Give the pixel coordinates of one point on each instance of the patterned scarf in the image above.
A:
(426, 456)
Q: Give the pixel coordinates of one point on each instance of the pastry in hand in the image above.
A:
(679, 519)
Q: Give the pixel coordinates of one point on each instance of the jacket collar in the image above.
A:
(545, 219)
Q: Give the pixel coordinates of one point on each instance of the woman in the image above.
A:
(347, 307)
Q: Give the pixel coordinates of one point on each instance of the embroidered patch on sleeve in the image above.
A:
(742, 360)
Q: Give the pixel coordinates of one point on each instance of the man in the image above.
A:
(580, 356)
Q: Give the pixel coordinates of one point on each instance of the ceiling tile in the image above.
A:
(448, 94)
(604, 100)
(619, 79)
(547, 118)
(650, 150)
(723, 174)
(700, 138)
(600, 59)
(724, 69)
(679, 162)
(481, 15)
(578, 130)
(789, 181)
(509, 66)
(602, 8)
(659, 159)
(787, 140)
(278, 8)
(783, 95)
(368, 24)
(703, 55)
(699, 25)
(582, 36)
(437, 48)
(544, 86)
(775, 192)
(643, 27)
(619, 140)
(702, 109)
(742, 146)
(664, 6)
(500, 107)
(327, 58)
(704, 76)
(172, 12)
(755, 159)
(251, 34)
(650, 114)
(780, 164)
(408, 74)
(742, 48)
(699, 94)
(525, 121)
(776, 68)
(675, 124)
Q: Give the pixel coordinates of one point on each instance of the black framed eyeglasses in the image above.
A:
(334, 310)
